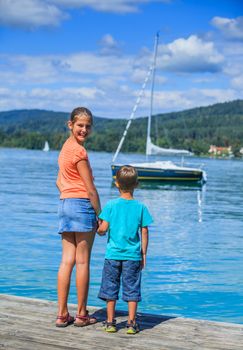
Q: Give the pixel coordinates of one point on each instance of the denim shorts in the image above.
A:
(113, 271)
(76, 215)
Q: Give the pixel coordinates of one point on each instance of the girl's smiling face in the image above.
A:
(81, 127)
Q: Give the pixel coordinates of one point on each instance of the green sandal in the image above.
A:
(110, 327)
(132, 328)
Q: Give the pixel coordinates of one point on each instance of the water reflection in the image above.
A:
(168, 185)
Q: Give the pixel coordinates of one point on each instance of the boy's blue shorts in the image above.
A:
(113, 271)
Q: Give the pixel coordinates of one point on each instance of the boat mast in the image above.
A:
(148, 142)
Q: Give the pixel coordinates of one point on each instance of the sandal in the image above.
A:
(109, 327)
(132, 327)
(82, 321)
(67, 320)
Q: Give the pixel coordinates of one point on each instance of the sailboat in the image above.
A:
(158, 170)
(46, 147)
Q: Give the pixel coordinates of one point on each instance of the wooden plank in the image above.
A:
(27, 323)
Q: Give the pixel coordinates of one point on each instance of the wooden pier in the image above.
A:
(29, 324)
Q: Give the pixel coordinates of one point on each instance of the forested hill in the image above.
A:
(195, 129)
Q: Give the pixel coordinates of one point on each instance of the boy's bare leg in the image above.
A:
(111, 304)
(132, 311)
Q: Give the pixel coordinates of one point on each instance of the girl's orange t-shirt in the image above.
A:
(72, 185)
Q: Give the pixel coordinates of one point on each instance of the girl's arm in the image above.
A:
(58, 182)
(87, 178)
(103, 227)
(144, 244)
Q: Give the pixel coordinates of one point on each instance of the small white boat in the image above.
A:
(159, 170)
(46, 147)
(164, 171)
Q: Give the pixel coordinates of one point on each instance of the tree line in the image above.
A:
(195, 129)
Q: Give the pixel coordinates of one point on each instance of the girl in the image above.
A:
(78, 210)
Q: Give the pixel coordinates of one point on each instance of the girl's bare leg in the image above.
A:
(65, 271)
(84, 243)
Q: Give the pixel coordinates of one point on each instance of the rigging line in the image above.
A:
(156, 129)
(133, 113)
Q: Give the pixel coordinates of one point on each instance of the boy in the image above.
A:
(123, 218)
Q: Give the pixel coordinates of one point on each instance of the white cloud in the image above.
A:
(177, 100)
(232, 49)
(23, 69)
(105, 102)
(203, 80)
(30, 13)
(109, 46)
(61, 82)
(50, 13)
(109, 84)
(190, 55)
(232, 28)
(67, 93)
(139, 74)
(219, 95)
(88, 63)
(115, 6)
(57, 99)
(237, 82)
(78, 68)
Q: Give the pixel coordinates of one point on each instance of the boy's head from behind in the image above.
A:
(126, 178)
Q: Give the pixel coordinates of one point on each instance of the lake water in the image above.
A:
(195, 257)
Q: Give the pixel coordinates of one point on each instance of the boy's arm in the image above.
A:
(144, 244)
(103, 227)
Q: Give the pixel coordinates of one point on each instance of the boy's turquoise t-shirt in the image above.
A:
(125, 218)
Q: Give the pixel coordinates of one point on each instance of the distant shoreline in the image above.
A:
(215, 127)
(140, 153)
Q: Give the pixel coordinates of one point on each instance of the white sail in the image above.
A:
(46, 147)
(152, 149)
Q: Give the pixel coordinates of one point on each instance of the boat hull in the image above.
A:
(153, 174)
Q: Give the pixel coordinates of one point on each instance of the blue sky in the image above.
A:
(59, 54)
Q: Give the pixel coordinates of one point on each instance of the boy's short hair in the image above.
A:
(127, 178)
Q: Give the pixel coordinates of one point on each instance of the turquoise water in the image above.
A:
(195, 258)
